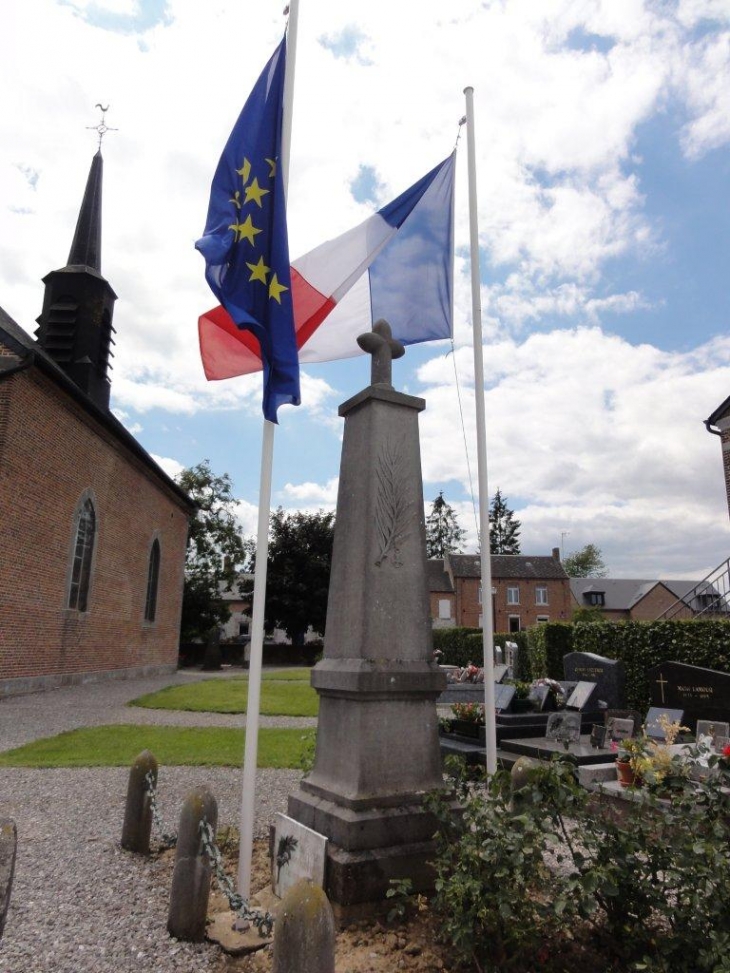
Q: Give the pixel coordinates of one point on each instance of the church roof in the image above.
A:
(26, 353)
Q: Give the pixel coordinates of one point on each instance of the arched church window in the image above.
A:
(153, 577)
(83, 551)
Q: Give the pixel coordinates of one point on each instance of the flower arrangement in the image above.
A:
(469, 712)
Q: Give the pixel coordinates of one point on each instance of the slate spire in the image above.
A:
(75, 326)
(86, 247)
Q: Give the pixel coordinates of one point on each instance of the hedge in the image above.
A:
(463, 645)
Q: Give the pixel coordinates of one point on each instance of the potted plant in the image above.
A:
(521, 702)
(632, 753)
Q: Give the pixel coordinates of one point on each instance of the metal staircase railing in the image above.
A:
(710, 598)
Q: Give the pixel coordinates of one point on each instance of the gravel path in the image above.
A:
(79, 904)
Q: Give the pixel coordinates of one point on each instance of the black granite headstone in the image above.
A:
(702, 694)
(607, 674)
(581, 696)
(542, 699)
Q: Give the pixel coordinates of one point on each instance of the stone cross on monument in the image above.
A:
(381, 344)
(377, 736)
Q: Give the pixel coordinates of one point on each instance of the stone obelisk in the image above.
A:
(377, 740)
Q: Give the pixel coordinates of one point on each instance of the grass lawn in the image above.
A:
(118, 745)
(285, 693)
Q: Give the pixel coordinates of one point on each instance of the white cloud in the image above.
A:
(312, 494)
(171, 466)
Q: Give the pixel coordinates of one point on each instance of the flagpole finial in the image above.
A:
(102, 128)
(381, 344)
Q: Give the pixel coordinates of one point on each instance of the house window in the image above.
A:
(596, 598)
(153, 576)
(444, 608)
(81, 565)
(514, 623)
(541, 594)
(541, 619)
(513, 595)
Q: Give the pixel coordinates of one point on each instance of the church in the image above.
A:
(92, 531)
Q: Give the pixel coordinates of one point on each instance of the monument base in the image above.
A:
(367, 849)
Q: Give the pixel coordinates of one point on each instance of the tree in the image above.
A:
(443, 533)
(585, 563)
(504, 529)
(214, 552)
(298, 575)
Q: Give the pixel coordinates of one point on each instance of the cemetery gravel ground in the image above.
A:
(79, 904)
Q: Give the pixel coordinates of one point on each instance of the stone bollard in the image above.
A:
(138, 812)
(8, 848)
(520, 778)
(191, 878)
(304, 933)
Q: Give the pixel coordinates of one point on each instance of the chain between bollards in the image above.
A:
(263, 921)
(168, 839)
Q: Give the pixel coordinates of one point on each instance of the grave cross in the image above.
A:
(662, 683)
(381, 344)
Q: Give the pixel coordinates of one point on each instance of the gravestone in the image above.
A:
(504, 693)
(702, 694)
(563, 727)
(511, 655)
(583, 694)
(607, 674)
(625, 714)
(377, 750)
(620, 729)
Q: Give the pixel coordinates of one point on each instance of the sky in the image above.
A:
(602, 132)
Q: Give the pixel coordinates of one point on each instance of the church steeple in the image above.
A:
(75, 326)
(86, 246)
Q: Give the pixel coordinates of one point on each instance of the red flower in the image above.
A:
(726, 750)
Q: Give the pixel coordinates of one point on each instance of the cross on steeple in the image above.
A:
(381, 344)
(102, 128)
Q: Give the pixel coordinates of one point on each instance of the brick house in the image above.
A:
(719, 425)
(526, 590)
(93, 533)
(639, 601)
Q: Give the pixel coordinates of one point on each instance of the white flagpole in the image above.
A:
(248, 790)
(486, 560)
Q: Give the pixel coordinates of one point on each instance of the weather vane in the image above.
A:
(102, 128)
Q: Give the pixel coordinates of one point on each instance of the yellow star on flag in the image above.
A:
(256, 193)
(258, 270)
(245, 171)
(245, 230)
(272, 167)
(276, 289)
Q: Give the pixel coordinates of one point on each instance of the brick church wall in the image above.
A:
(51, 452)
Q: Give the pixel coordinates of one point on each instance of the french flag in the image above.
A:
(397, 265)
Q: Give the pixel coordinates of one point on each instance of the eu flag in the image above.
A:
(245, 242)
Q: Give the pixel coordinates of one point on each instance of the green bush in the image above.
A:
(455, 645)
(548, 643)
(644, 891)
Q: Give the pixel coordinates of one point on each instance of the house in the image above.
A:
(640, 600)
(719, 425)
(93, 532)
(526, 590)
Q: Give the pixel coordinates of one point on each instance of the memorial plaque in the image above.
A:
(542, 699)
(618, 729)
(701, 694)
(625, 714)
(504, 693)
(581, 696)
(607, 674)
(298, 853)
(653, 726)
(709, 733)
(563, 727)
